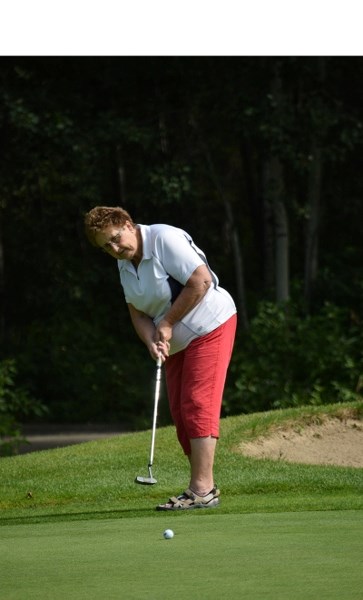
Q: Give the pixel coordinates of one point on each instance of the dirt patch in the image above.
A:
(331, 442)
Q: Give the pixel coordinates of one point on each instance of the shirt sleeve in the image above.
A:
(178, 254)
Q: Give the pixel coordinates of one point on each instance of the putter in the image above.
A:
(150, 480)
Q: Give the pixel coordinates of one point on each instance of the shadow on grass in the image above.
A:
(77, 516)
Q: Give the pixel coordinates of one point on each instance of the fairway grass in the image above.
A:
(73, 524)
(300, 556)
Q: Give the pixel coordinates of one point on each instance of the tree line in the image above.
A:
(257, 157)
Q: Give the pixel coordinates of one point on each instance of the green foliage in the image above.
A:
(171, 183)
(288, 359)
(87, 372)
(15, 403)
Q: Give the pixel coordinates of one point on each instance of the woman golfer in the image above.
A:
(183, 316)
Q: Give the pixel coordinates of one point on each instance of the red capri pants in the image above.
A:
(195, 379)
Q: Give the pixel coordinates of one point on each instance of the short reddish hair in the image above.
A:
(102, 216)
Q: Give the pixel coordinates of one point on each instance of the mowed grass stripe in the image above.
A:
(280, 556)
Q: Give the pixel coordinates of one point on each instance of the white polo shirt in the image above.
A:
(171, 251)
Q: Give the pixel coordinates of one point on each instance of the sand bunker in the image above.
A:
(333, 442)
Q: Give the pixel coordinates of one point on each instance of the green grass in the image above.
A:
(96, 479)
(279, 556)
(87, 530)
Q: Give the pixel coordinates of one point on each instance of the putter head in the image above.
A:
(145, 480)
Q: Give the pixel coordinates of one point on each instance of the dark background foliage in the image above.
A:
(243, 152)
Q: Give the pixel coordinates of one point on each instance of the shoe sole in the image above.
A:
(212, 504)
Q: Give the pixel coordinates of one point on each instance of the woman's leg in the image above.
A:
(195, 380)
(205, 369)
(201, 465)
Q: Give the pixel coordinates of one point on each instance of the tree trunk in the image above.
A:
(312, 233)
(314, 203)
(239, 267)
(282, 252)
(276, 193)
(254, 199)
(281, 230)
(268, 234)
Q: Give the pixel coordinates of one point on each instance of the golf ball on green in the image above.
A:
(168, 534)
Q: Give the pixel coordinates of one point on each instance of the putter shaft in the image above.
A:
(150, 480)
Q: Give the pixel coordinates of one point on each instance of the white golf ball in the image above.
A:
(168, 534)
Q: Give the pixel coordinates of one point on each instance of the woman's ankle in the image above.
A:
(201, 491)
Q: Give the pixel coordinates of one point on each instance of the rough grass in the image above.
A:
(95, 480)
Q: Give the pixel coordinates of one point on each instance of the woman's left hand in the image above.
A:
(163, 332)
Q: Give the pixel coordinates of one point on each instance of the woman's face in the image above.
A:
(120, 241)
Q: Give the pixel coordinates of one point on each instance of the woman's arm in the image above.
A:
(192, 293)
(146, 331)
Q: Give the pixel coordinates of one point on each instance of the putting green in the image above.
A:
(306, 555)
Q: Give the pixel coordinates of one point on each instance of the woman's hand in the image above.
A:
(163, 331)
(159, 350)
(161, 345)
